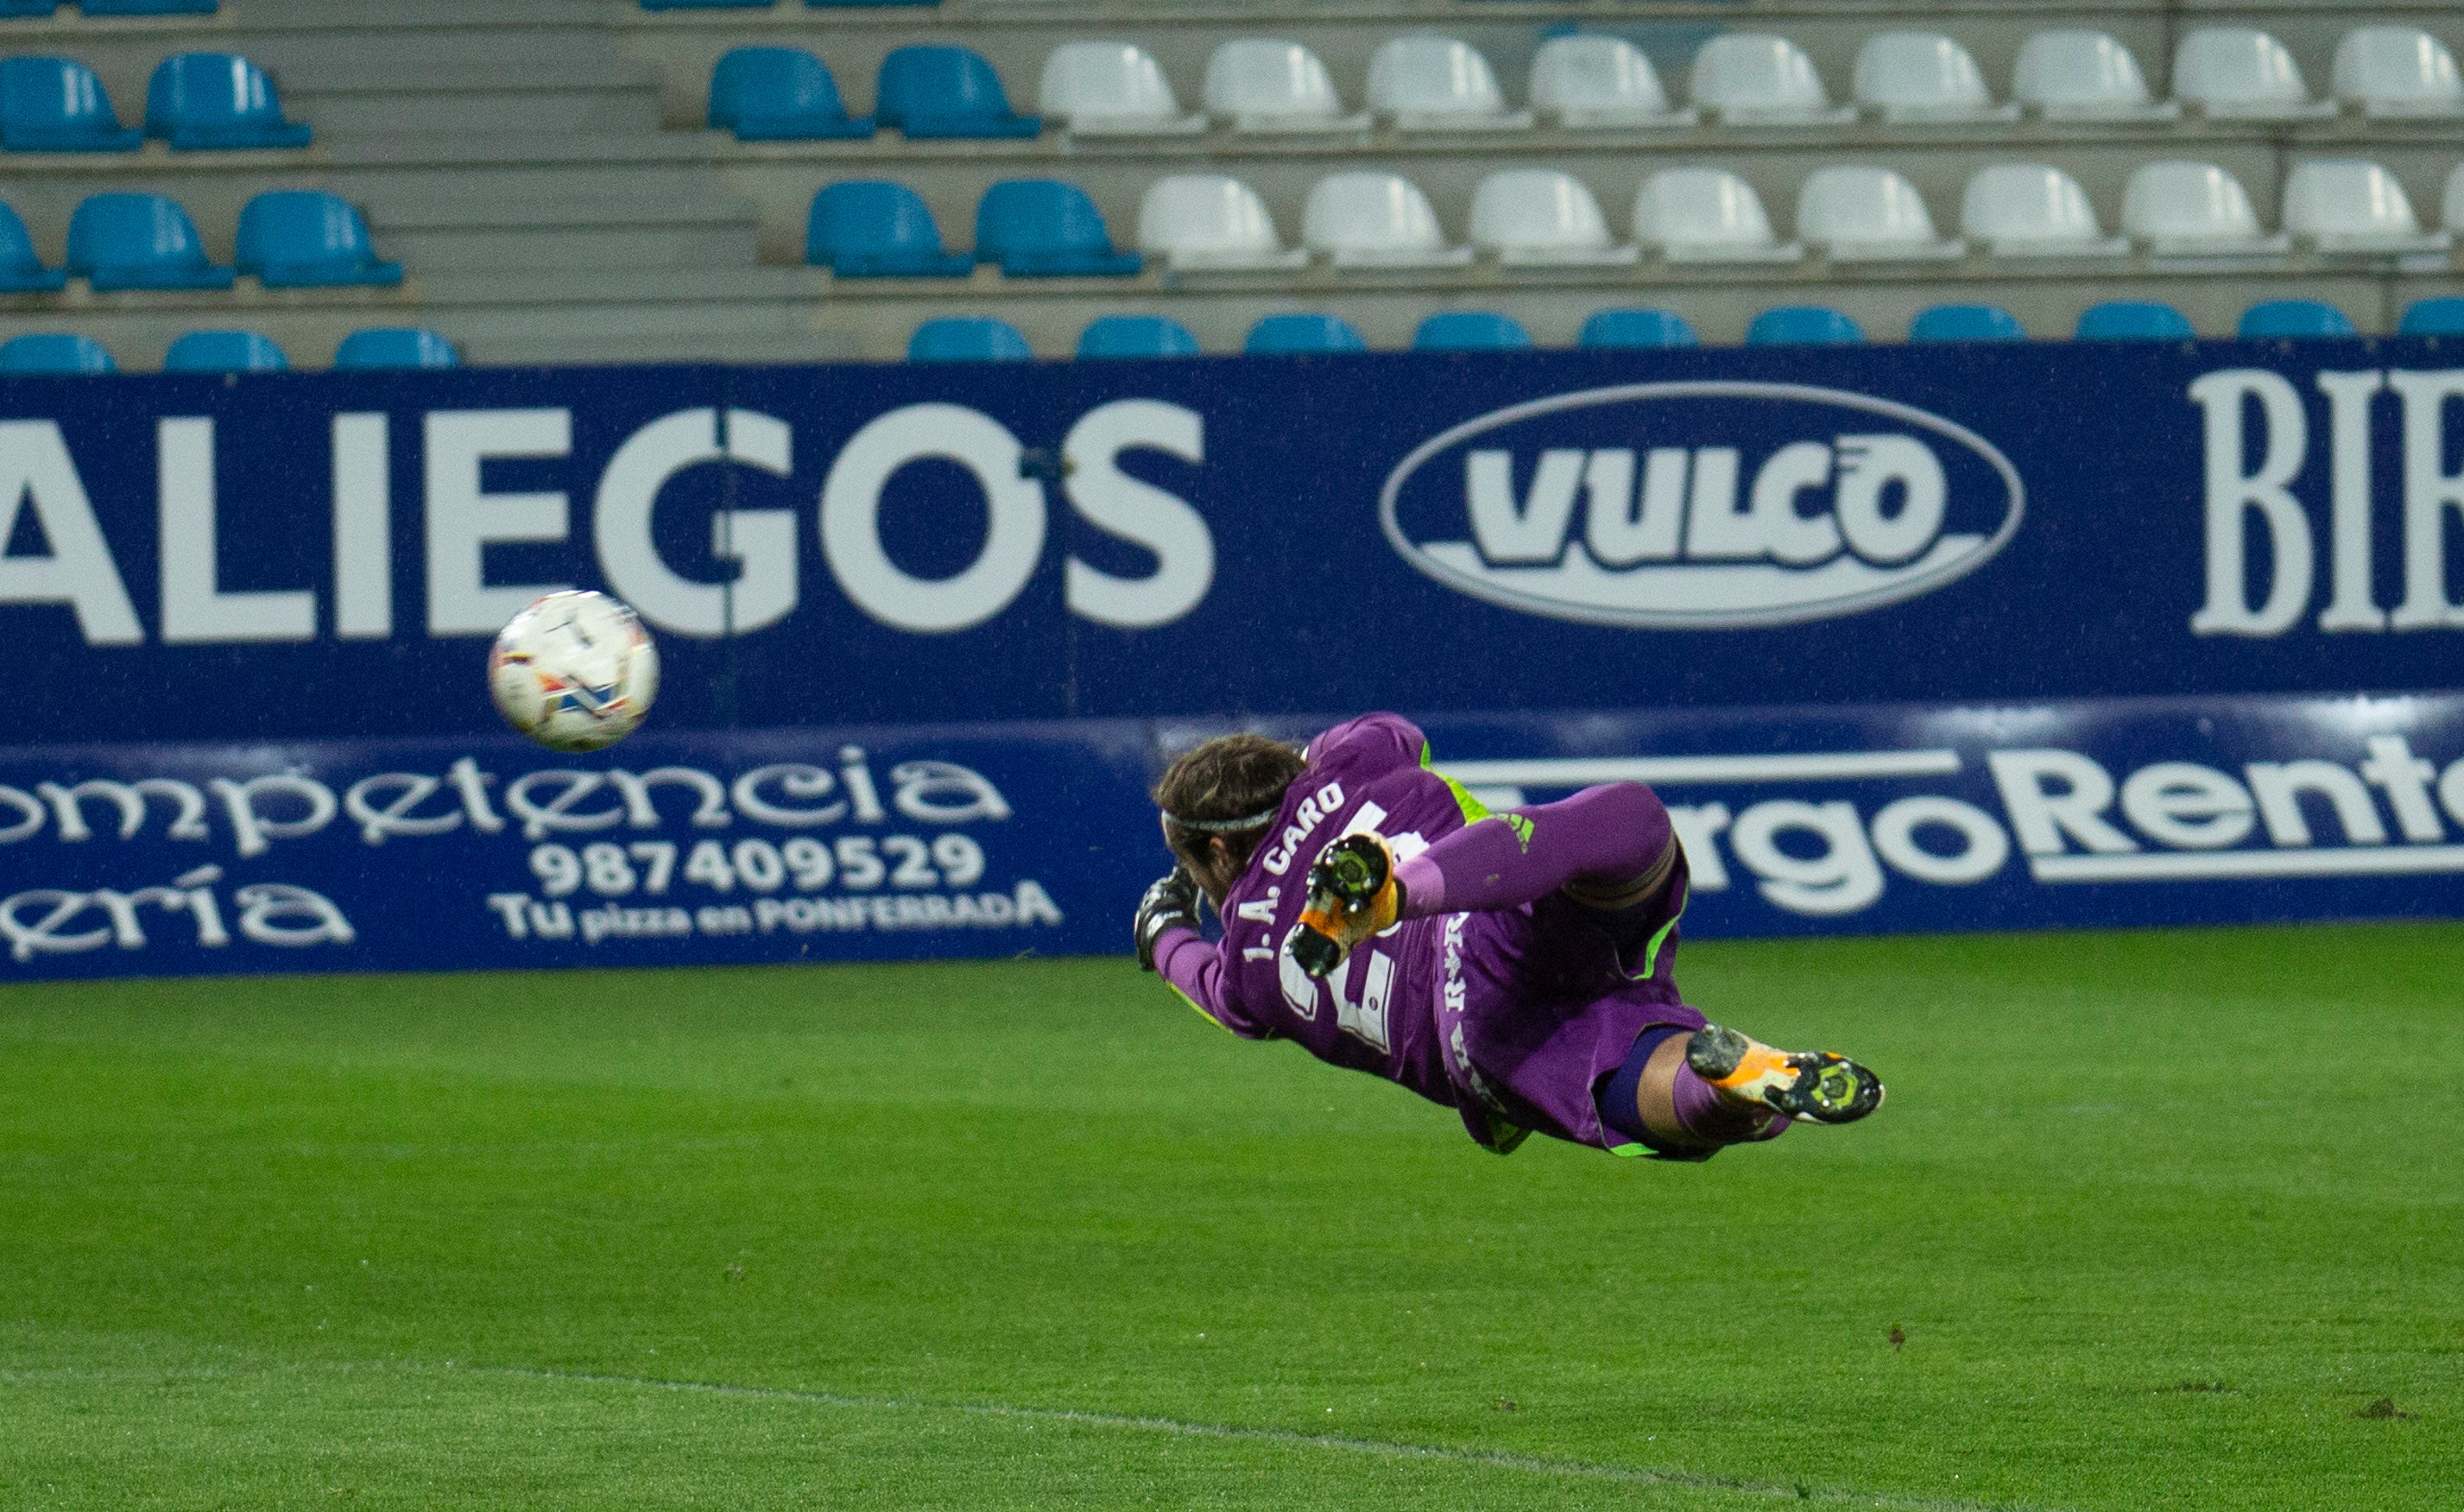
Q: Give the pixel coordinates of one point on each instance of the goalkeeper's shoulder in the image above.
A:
(1372, 743)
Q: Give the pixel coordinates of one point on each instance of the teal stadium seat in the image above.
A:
(10, 10)
(1803, 326)
(2132, 321)
(1966, 322)
(1469, 331)
(2300, 320)
(930, 92)
(1136, 335)
(57, 105)
(139, 242)
(391, 347)
(307, 238)
(21, 267)
(780, 94)
(53, 354)
(1300, 335)
(1046, 229)
(224, 352)
(148, 7)
(1637, 330)
(2433, 318)
(218, 101)
(967, 339)
(875, 229)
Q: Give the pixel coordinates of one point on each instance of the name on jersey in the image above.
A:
(1314, 809)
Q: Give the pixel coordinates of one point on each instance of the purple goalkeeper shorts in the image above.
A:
(1536, 1004)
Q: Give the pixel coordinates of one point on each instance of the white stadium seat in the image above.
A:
(2450, 205)
(1363, 219)
(1855, 213)
(1426, 83)
(2033, 210)
(1541, 217)
(2069, 75)
(1752, 79)
(1707, 215)
(1110, 89)
(1211, 221)
(2397, 71)
(2239, 73)
(1923, 76)
(2353, 205)
(2193, 210)
(1264, 84)
(1589, 80)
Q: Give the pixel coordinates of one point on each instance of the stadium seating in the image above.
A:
(1469, 331)
(1046, 228)
(147, 7)
(944, 92)
(875, 229)
(307, 238)
(2397, 71)
(1802, 325)
(1365, 219)
(390, 346)
(1286, 335)
(1539, 217)
(1264, 84)
(2074, 74)
(218, 102)
(1195, 221)
(2451, 213)
(2132, 321)
(53, 354)
(21, 267)
(139, 242)
(2443, 317)
(1422, 82)
(1752, 78)
(2347, 205)
(780, 94)
(2033, 210)
(1112, 89)
(2293, 319)
(1924, 77)
(1136, 335)
(2193, 210)
(224, 352)
(1707, 215)
(57, 105)
(1588, 80)
(1635, 329)
(1854, 213)
(967, 339)
(12, 8)
(2238, 73)
(1966, 322)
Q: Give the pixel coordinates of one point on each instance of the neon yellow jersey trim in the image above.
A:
(1473, 810)
(1195, 1009)
(1651, 951)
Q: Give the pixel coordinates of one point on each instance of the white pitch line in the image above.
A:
(1496, 1459)
(1583, 771)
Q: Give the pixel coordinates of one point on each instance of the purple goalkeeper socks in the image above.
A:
(1602, 837)
(1703, 1113)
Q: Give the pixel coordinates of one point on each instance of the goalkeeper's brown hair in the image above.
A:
(1228, 779)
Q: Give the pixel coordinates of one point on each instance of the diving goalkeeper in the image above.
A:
(1516, 967)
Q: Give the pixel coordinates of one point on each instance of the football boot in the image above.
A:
(1815, 1085)
(1352, 896)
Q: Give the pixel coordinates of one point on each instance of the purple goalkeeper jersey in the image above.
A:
(1378, 1012)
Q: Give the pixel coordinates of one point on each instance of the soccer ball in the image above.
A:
(575, 672)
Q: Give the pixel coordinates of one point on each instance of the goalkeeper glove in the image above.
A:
(1351, 895)
(1170, 903)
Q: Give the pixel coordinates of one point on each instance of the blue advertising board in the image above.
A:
(322, 555)
(698, 847)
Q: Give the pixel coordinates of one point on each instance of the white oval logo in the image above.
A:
(1701, 505)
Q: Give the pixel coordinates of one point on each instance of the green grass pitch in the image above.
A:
(2151, 1220)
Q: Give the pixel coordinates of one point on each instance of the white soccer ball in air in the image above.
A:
(575, 672)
